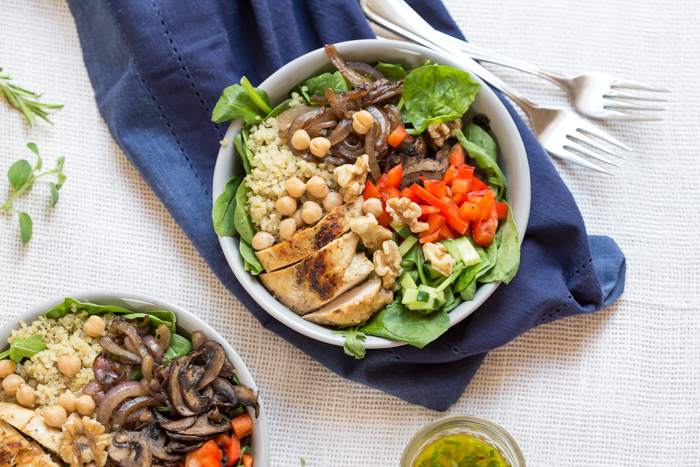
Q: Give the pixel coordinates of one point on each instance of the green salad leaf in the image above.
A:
(398, 322)
(179, 346)
(278, 110)
(224, 208)
(352, 345)
(156, 316)
(251, 263)
(236, 103)
(487, 164)
(241, 218)
(437, 93)
(507, 258)
(317, 85)
(481, 138)
(24, 348)
(242, 152)
(391, 71)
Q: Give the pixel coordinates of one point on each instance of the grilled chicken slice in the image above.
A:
(35, 457)
(307, 241)
(321, 277)
(353, 307)
(31, 424)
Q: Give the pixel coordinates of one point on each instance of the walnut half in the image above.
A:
(406, 212)
(439, 132)
(439, 258)
(371, 233)
(387, 263)
(351, 178)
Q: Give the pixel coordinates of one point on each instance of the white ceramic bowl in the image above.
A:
(512, 159)
(186, 321)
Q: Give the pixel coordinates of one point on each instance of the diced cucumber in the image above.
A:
(414, 275)
(407, 244)
(434, 292)
(467, 251)
(431, 305)
(401, 229)
(411, 296)
(430, 272)
(452, 249)
(407, 281)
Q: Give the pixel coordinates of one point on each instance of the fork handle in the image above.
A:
(406, 23)
(478, 53)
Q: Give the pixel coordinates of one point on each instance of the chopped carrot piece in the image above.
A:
(457, 155)
(242, 426)
(396, 136)
(247, 460)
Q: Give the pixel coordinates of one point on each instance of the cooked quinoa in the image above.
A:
(273, 165)
(64, 336)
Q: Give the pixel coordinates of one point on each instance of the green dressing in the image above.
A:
(459, 451)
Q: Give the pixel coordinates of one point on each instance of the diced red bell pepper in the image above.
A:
(231, 447)
(427, 210)
(384, 219)
(450, 174)
(459, 198)
(455, 220)
(382, 182)
(209, 455)
(501, 210)
(478, 185)
(470, 211)
(461, 185)
(466, 172)
(435, 187)
(429, 198)
(242, 425)
(485, 230)
(445, 232)
(486, 203)
(370, 191)
(435, 222)
(457, 155)
(410, 194)
(390, 192)
(396, 136)
(432, 238)
(394, 176)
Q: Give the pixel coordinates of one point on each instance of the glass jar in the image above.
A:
(479, 428)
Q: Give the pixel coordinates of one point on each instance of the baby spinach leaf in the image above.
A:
(437, 94)
(24, 348)
(318, 84)
(241, 218)
(248, 153)
(19, 173)
(235, 103)
(257, 95)
(391, 71)
(507, 258)
(487, 164)
(241, 151)
(179, 346)
(224, 208)
(278, 110)
(251, 262)
(481, 138)
(352, 345)
(157, 316)
(398, 322)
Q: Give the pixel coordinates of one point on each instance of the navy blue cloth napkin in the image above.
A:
(158, 68)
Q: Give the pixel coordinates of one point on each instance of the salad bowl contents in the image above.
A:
(124, 382)
(372, 201)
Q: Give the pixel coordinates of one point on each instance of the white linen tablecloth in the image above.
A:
(620, 387)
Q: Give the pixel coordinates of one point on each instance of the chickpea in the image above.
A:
(362, 121)
(11, 384)
(372, 206)
(26, 395)
(85, 405)
(317, 187)
(295, 187)
(286, 205)
(69, 365)
(94, 326)
(7, 367)
(319, 147)
(332, 201)
(287, 228)
(67, 400)
(311, 212)
(301, 140)
(297, 218)
(55, 416)
(262, 241)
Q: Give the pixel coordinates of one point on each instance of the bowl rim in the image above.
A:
(226, 162)
(186, 320)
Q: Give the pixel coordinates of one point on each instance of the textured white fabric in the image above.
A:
(621, 387)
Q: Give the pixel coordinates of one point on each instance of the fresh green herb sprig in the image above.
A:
(22, 178)
(352, 345)
(24, 348)
(25, 101)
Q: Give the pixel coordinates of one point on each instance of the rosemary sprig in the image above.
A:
(25, 101)
(22, 178)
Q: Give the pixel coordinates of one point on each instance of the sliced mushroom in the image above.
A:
(196, 401)
(203, 427)
(179, 425)
(428, 168)
(175, 389)
(177, 446)
(247, 396)
(156, 438)
(215, 357)
(226, 389)
(129, 450)
(227, 371)
(197, 339)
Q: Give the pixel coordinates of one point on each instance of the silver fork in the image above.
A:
(594, 94)
(559, 131)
